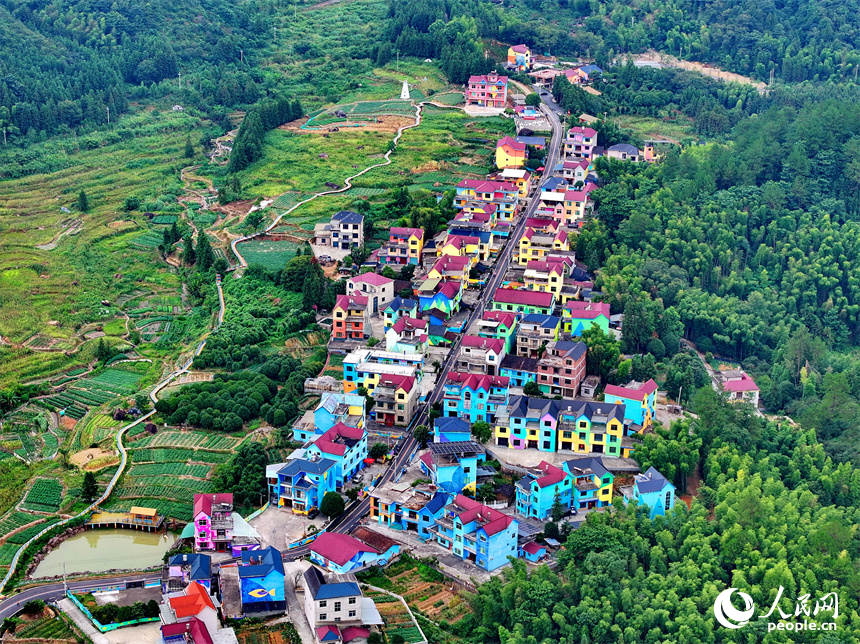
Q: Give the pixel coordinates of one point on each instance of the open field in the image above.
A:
(271, 254)
(644, 127)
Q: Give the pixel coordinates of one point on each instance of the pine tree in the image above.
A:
(189, 149)
(83, 202)
(205, 256)
(188, 255)
(89, 488)
(103, 352)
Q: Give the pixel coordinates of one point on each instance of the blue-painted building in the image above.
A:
(414, 509)
(301, 483)
(343, 553)
(639, 399)
(399, 308)
(533, 552)
(451, 430)
(653, 490)
(519, 370)
(453, 467)
(261, 579)
(333, 408)
(346, 446)
(592, 482)
(180, 570)
(475, 532)
(536, 492)
(474, 397)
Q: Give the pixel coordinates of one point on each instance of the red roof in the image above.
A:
(193, 602)
(450, 289)
(496, 345)
(552, 474)
(328, 444)
(502, 317)
(398, 382)
(744, 384)
(406, 233)
(328, 633)
(581, 163)
(641, 393)
(354, 632)
(451, 263)
(532, 548)
(528, 298)
(427, 459)
(411, 323)
(542, 223)
(491, 520)
(203, 502)
(193, 628)
(576, 195)
(511, 143)
(488, 78)
(545, 266)
(587, 310)
(339, 548)
(347, 302)
(482, 185)
(585, 131)
(475, 381)
(520, 49)
(373, 279)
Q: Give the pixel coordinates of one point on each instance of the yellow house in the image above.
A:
(520, 57)
(520, 177)
(534, 245)
(544, 277)
(459, 245)
(510, 153)
(451, 267)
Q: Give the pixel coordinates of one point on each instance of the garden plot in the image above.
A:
(45, 495)
(169, 469)
(181, 511)
(271, 254)
(13, 520)
(395, 617)
(177, 455)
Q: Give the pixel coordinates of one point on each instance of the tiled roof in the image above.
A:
(542, 320)
(354, 632)
(339, 548)
(328, 633)
(576, 195)
(587, 310)
(496, 345)
(520, 49)
(491, 520)
(406, 383)
(452, 424)
(193, 602)
(585, 131)
(347, 217)
(532, 548)
(450, 289)
(299, 465)
(401, 304)
(639, 393)
(259, 563)
(193, 628)
(373, 539)
(203, 502)
(484, 78)
(372, 278)
(406, 233)
(651, 481)
(451, 263)
(551, 476)
(332, 442)
(528, 298)
(502, 317)
(545, 266)
(511, 143)
(409, 323)
(475, 381)
(593, 463)
(482, 185)
(347, 302)
(744, 384)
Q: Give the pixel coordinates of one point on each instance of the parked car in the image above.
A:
(313, 514)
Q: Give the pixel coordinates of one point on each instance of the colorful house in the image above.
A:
(638, 399)
(592, 483)
(396, 399)
(398, 308)
(480, 355)
(533, 552)
(341, 553)
(351, 317)
(510, 153)
(535, 332)
(651, 490)
(408, 335)
(583, 74)
(577, 317)
(404, 246)
(445, 296)
(301, 483)
(451, 267)
(261, 580)
(502, 196)
(577, 206)
(180, 570)
(453, 467)
(366, 367)
(217, 527)
(520, 58)
(191, 612)
(538, 491)
(474, 397)
(545, 276)
(580, 142)
(403, 507)
(522, 302)
(334, 408)
(490, 90)
(519, 370)
(378, 290)
(561, 368)
(484, 238)
(451, 430)
(572, 171)
(346, 446)
(554, 184)
(535, 244)
(475, 532)
(498, 324)
(520, 177)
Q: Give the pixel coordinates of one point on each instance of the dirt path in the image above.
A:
(73, 228)
(668, 60)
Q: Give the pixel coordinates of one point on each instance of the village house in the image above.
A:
(519, 370)
(442, 295)
(498, 324)
(192, 616)
(624, 152)
(510, 153)
(522, 302)
(333, 408)
(470, 233)
(180, 570)
(261, 581)
(538, 491)
(638, 399)
(592, 483)
(216, 527)
(545, 78)
(404, 246)
(502, 196)
(396, 399)
(365, 368)
(573, 170)
(408, 335)
(652, 490)
(537, 142)
(404, 507)
(738, 386)
(489, 90)
(344, 231)
(342, 553)
(520, 177)
(475, 532)
(474, 397)
(545, 276)
(451, 267)
(580, 142)
(335, 609)
(480, 355)
(520, 58)
(346, 446)
(536, 330)
(535, 244)
(400, 307)
(583, 74)
(350, 317)
(451, 430)
(561, 368)
(454, 467)
(577, 206)
(577, 317)
(301, 484)
(378, 290)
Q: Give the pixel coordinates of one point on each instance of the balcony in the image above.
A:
(586, 486)
(222, 524)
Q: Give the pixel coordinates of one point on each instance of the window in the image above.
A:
(337, 619)
(352, 613)
(323, 603)
(546, 445)
(323, 617)
(352, 600)
(337, 607)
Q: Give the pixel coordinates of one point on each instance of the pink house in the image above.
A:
(217, 527)
(490, 90)
(738, 385)
(580, 142)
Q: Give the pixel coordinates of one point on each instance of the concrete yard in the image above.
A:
(149, 633)
(279, 526)
(533, 457)
(128, 596)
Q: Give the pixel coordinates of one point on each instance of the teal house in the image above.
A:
(523, 303)
(577, 317)
(537, 491)
(453, 467)
(499, 324)
(652, 490)
(399, 308)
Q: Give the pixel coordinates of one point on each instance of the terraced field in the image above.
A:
(45, 495)
(201, 440)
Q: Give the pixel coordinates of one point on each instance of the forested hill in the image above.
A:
(64, 63)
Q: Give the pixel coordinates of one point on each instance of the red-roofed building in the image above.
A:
(537, 491)
(533, 552)
(351, 317)
(474, 397)
(522, 302)
(519, 58)
(378, 290)
(510, 153)
(191, 611)
(396, 400)
(346, 446)
(738, 386)
(577, 317)
(480, 355)
(503, 196)
(475, 532)
(639, 400)
(536, 244)
(341, 553)
(407, 335)
(451, 267)
(580, 142)
(211, 509)
(490, 90)
(404, 246)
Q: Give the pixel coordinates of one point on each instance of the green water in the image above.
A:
(100, 550)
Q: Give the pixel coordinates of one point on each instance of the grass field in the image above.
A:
(271, 254)
(645, 127)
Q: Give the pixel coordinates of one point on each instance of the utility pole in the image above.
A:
(180, 80)
(108, 113)
(241, 56)
(398, 61)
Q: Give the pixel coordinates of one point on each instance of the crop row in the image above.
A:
(176, 455)
(188, 439)
(119, 377)
(25, 535)
(45, 495)
(13, 521)
(183, 494)
(194, 485)
(170, 469)
(177, 510)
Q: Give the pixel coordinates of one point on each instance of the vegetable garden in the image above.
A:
(45, 496)
(200, 440)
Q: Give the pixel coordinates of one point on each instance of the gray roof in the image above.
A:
(570, 349)
(651, 481)
(319, 589)
(526, 407)
(520, 363)
(347, 217)
(592, 463)
(624, 147)
(299, 465)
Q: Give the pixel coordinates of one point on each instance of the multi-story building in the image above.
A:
(344, 231)
(477, 533)
(545, 276)
(638, 399)
(346, 446)
(261, 581)
(737, 385)
(551, 425)
(490, 90)
(592, 483)
(408, 508)
(572, 171)
(502, 196)
(474, 397)
(408, 335)
(498, 324)
(350, 317)
(180, 570)
(520, 177)
(580, 142)
(404, 246)
(651, 490)
(510, 153)
(522, 302)
(624, 152)
(398, 308)
(342, 553)
(442, 295)
(396, 399)
(334, 610)
(583, 74)
(536, 330)
(378, 290)
(480, 355)
(577, 206)
(536, 245)
(217, 527)
(520, 58)
(451, 430)
(562, 368)
(451, 267)
(538, 491)
(301, 483)
(192, 616)
(519, 370)
(453, 466)
(478, 243)
(365, 367)
(333, 408)
(577, 317)
(554, 184)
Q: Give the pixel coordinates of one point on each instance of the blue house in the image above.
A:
(536, 492)
(451, 430)
(453, 466)
(343, 553)
(475, 532)
(261, 578)
(519, 370)
(554, 184)
(333, 408)
(399, 308)
(301, 483)
(653, 490)
(182, 569)
(474, 397)
(533, 552)
(413, 509)
(346, 446)
(592, 483)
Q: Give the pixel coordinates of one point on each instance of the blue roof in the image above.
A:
(201, 565)
(401, 304)
(532, 140)
(591, 69)
(348, 217)
(482, 235)
(452, 424)
(651, 481)
(299, 465)
(552, 183)
(342, 589)
(266, 560)
(544, 320)
(439, 501)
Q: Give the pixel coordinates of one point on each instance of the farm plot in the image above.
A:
(176, 455)
(164, 219)
(148, 239)
(169, 469)
(45, 496)
(288, 200)
(271, 254)
(158, 489)
(178, 510)
(14, 520)
(189, 439)
(25, 535)
(395, 617)
(47, 628)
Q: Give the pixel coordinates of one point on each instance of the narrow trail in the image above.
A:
(347, 182)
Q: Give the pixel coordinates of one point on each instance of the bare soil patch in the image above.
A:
(83, 457)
